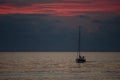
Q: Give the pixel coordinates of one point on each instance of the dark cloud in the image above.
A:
(34, 33)
(111, 20)
(84, 17)
(26, 2)
(106, 38)
(51, 33)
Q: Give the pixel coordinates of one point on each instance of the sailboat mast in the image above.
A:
(79, 42)
(79, 59)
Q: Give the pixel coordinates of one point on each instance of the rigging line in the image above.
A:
(78, 42)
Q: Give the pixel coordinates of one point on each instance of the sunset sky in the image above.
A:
(52, 25)
(59, 7)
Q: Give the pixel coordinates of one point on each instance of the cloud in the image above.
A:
(59, 7)
(54, 33)
(26, 2)
(107, 36)
(34, 32)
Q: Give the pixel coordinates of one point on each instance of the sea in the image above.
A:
(59, 66)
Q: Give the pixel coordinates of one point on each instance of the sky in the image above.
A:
(52, 25)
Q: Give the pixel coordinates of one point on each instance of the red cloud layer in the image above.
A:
(66, 8)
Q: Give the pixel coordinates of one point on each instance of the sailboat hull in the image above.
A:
(80, 60)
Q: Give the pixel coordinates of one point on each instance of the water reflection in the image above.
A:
(57, 66)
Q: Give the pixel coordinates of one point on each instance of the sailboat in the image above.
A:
(79, 59)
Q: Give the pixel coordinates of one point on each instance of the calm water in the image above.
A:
(59, 66)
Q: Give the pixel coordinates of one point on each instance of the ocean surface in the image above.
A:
(59, 66)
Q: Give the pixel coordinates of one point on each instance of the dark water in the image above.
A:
(59, 66)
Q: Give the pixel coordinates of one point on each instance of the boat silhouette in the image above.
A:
(79, 59)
